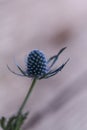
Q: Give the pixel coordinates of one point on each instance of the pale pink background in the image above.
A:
(59, 103)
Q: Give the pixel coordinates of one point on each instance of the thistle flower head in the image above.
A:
(36, 64)
(39, 67)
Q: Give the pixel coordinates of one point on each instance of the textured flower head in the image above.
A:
(37, 66)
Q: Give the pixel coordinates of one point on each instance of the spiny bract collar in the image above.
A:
(38, 66)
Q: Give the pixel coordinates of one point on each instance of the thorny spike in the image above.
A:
(21, 70)
(51, 73)
(14, 72)
(54, 58)
(19, 67)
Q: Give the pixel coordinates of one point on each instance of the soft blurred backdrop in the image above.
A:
(60, 102)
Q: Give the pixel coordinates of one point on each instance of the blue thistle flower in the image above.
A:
(39, 67)
(36, 64)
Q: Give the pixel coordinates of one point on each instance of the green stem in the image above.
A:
(27, 96)
(23, 104)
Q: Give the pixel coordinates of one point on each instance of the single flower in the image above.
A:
(37, 66)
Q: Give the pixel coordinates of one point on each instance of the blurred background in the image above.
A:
(60, 102)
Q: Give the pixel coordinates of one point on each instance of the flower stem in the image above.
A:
(23, 104)
(27, 96)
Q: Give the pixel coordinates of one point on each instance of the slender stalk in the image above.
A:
(27, 96)
(23, 104)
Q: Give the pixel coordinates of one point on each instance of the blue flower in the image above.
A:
(37, 66)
